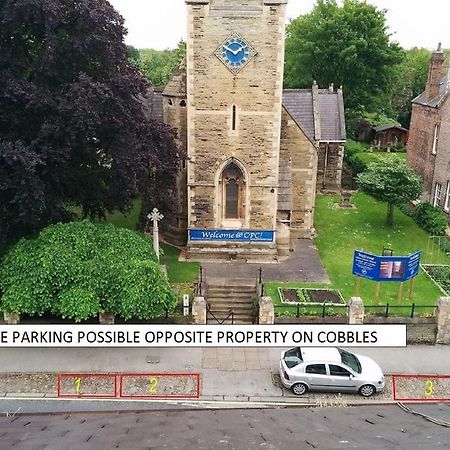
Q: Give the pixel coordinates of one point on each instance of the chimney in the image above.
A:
(434, 73)
(331, 87)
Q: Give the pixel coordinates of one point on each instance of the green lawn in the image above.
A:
(341, 231)
(179, 272)
(129, 220)
(368, 157)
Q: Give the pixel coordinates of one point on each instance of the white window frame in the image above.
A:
(437, 194)
(447, 198)
(435, 139)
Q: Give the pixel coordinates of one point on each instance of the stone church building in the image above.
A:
(428, 150)
(256, 153)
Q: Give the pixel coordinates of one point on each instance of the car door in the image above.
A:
(317, 378)
(341, 379)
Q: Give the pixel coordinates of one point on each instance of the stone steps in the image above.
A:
(224, 295)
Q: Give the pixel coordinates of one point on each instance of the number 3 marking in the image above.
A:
(429, 390)
(153, 384)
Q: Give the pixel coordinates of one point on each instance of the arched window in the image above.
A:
(232, 192)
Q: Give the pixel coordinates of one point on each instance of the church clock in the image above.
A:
(235, 52)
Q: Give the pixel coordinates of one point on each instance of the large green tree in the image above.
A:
(347, 45)
(389, 180)
(159, 65)
(73, 132)
(409, 79)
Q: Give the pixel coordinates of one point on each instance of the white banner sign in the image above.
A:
(202, 335)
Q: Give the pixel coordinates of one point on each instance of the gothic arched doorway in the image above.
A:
(232, 192)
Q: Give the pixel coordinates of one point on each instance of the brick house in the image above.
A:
(256, 153)
(428, 149)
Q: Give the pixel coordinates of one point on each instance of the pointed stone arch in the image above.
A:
(232, 194)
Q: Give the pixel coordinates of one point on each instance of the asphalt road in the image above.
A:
(364, 428)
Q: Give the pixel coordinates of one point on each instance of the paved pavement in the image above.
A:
(226, 373)
(303, 265)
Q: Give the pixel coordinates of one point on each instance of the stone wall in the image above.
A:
(302, 153)
(330, 158)
(419, 330)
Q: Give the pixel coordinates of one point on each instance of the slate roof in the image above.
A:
(284, 186)
(176, 87)
(388, 126)
(422, 98)
(329, 112)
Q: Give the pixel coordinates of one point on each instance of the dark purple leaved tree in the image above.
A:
(72, 128)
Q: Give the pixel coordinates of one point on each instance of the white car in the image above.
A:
(329, 369)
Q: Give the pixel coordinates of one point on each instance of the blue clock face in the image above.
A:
(235, 52)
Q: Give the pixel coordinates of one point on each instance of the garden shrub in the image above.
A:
(431, 219)
(353, 147)
(79, 269)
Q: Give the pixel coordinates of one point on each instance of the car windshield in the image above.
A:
(292, 357)
(350, 360)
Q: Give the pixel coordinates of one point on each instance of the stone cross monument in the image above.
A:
(155, 216)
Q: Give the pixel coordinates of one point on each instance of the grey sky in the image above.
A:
(161, 24)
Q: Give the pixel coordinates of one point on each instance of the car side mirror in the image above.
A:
(351, 376)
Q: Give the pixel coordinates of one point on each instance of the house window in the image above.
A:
(447, 197)
(437, 194)
(435, 139)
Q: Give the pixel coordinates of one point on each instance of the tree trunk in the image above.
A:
(390, 214)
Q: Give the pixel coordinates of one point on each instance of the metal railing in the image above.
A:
(387, 309)
(331, 309)
(201, 284)
(260, 283)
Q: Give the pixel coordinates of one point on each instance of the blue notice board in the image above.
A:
(386, 268)
(231, 235)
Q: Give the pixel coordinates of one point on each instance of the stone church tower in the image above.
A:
(235, 57)
(247, 189)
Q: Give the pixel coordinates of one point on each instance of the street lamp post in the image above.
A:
(155, 216)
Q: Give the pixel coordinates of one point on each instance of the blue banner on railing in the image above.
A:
(386, 268)
(231, 235)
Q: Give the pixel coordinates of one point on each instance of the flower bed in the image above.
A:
(309, 296)
(440, 274)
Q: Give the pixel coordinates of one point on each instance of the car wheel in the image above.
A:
(299, 388)
(367, 390)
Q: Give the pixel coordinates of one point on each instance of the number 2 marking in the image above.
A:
(429, 390)
(77, 385)
(153, 384)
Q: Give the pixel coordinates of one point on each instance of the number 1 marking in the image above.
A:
(153, 384)
(77, 385)
(429, 390)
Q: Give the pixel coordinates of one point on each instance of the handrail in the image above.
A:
(231, 314)
(260, 284)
